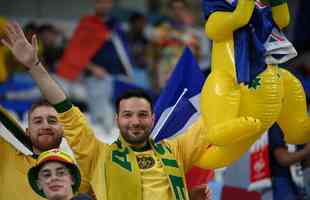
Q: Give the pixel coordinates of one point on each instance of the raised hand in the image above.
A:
(25, 52)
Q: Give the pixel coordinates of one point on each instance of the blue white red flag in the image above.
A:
(178, 104)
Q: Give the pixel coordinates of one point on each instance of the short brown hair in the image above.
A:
(39, 103)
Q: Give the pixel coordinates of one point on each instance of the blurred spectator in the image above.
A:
(301, 38)
(183, 19)
(301, 27)
(154, 8)
(139, 46)
(301, 67)
(53, 45)
(287, 178)
(99, 52)
(180, 14)
(171, 36)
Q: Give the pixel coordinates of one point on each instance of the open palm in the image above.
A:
(25, 52)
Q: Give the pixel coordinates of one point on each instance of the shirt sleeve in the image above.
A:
(83, 142)
(191, 144)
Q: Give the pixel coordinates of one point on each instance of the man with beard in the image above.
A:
(45, 132)
(133, 167)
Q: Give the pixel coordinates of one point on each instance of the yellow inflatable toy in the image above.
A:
(246, 91)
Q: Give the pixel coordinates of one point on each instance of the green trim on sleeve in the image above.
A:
(63, 106)
(274, 3)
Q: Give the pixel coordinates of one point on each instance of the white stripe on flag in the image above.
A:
(165, 116)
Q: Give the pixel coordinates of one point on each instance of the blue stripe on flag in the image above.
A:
(178, 101)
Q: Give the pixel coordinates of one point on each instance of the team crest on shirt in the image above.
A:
(145, 161)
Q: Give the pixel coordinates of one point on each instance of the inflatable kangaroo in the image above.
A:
(246, 91)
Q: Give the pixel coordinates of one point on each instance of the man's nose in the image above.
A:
(46, 125)
(135, 119)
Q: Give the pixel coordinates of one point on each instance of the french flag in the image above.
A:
(178, 106)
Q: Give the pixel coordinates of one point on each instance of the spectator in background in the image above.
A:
(154, 14)
(53, 43)
(301, 41)
(302, 62)
(139, 46)
(286, 176)
(101, 57)
(169, 39)
(180, 14)
(183, 19)
(301, 38)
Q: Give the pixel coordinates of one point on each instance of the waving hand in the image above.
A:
(24, 51)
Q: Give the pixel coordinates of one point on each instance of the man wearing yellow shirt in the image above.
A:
(45, 132)
(134, 167)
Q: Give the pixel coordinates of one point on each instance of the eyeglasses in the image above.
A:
(46, 174)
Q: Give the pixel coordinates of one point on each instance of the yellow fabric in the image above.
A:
(92, 155)
(189, 148)
(126, 169)
(153, 179)
(14, 167)
(124, 166)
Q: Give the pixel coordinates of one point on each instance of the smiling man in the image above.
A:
(44, 130)
(135, 118)
(45, 133)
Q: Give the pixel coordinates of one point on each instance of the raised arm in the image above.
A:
(26, 53)
(217, 157)
(76, 128)
(195, 148)
(221, 25)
